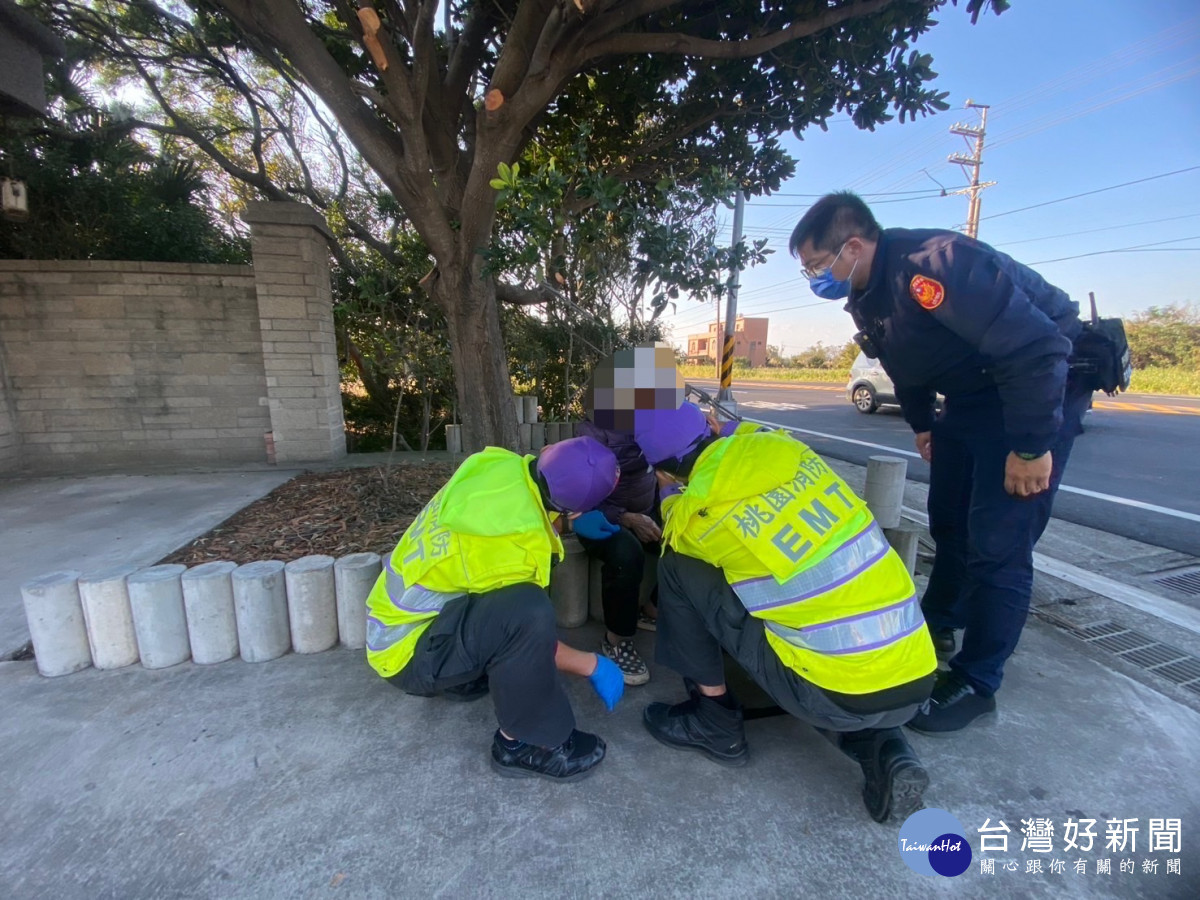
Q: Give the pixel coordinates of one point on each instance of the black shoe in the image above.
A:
(954, 705)
(700, 723)
(465, 693)
(943, 642)
(893, 778)
(572, 760)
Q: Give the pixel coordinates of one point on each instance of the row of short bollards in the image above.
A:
(534, 434)
(164, 615)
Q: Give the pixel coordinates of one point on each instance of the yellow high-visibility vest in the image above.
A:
(804, 554)
(485, 529)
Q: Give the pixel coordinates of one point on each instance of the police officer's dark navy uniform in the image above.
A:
(948, 314)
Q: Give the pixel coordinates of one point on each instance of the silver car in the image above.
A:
(869, 386)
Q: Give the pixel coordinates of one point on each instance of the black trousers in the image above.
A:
(624, 560)
(509, 636)
(699, 614)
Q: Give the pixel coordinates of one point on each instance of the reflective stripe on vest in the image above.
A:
(415, 599)
(381, 637)
(856, 634)
(852, 558)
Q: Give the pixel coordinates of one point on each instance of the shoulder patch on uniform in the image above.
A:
(928, 292)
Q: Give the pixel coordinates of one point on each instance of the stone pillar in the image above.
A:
(312, 607)
(211, 620)
(569, 586)
(159, 618)
(354, 576)
(260, 606)
(289, 244)
(56, 624)
(884, 493)
(109, 617)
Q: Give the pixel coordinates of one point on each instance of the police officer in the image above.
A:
(772, 557)
(948, 314)
(461, 607)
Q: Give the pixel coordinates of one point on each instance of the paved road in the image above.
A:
(1139, 452)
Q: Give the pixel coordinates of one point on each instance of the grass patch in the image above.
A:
(1178, 380)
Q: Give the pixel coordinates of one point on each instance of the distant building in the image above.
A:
(749, 342)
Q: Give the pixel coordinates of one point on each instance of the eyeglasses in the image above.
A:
(811, 272)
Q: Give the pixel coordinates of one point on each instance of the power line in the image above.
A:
(1134, 248)
(1111, 187)
(1050, 237)
(865, 194)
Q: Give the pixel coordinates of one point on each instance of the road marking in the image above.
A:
(769, 404)
(1083, 492)
(1162, 607)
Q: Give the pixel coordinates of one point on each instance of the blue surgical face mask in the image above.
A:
(825, 286)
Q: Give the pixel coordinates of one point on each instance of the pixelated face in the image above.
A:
(641, 377)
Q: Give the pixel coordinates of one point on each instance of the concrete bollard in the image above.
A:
(156, 598)
(595, 589)
(312, 604)
(526, 436)
(537, 436)
(454, 438)
(109, 617)
(569, 586)
(260, 603)
(211, 620)
(905, 539)
(519, 408)
(551, 433)
(884, 493)
(354, 576)
(531, 410)
(55, 616)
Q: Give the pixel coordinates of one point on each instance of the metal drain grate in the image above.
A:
(1154, 656)
(1144, 652)
(1187, 582)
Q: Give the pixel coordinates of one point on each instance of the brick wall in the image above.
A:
(120, 363)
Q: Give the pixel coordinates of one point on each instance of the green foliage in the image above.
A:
(94, 193)
(1165, 337)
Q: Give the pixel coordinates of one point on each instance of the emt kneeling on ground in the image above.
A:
(773, 558)
(461, 606)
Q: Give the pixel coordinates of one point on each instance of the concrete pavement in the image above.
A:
(309, 776)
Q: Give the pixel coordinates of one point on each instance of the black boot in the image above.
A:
(894, 778)
(703, 724)
(571, 760)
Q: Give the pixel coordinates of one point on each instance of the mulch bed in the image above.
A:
(335, 513)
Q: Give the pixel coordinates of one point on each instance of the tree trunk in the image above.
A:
(481, 380)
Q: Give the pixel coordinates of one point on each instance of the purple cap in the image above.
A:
(670, 433)
(580, 473)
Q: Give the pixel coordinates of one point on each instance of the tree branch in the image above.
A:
(690, 45)
(514, 295)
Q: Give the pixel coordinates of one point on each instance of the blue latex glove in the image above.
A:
(594, 526)
(607, 681)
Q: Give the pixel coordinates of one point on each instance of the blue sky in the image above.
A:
(1084, 94)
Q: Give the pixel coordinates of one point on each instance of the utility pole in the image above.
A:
(972, 163)
(725, 369)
